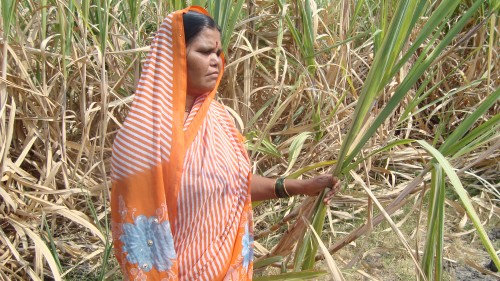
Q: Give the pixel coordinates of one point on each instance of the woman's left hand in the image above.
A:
(316, 185)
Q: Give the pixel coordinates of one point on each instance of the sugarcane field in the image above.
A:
(397, 101)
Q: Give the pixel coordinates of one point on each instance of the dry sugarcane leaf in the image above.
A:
(74, 215)
(291, 236)
(342, 215)
(290, 216)
(71, 191)
(81, 219)
(332, 266)
(481, 269)
(365, 274)
(75, 252)
(83, 260)
(358, 179)
(41, 248)
(13, 250)
(392, 207)
(17, 170)
(8, 274)
(7, 198)
(29, 182)
(260, 249)
(53, 172)
(33, 274)
(26, 149)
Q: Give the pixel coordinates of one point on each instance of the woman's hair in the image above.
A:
(194, 22)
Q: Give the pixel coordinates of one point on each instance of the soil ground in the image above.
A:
(467, 273)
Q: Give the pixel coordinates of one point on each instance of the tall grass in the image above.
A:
(7, 12)
(384, 67)
(390, 98)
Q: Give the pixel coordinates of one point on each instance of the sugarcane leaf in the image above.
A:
(464, 198)
(449, 146)
(414, 74)
(298, 276)
(296, 148)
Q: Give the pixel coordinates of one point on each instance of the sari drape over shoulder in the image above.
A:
(180, 200)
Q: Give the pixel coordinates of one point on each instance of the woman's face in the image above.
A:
(203, 62)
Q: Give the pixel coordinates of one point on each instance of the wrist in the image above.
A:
(294, 187)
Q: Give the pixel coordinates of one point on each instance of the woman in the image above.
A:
(182, 187)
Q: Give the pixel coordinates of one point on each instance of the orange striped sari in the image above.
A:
(180, 203)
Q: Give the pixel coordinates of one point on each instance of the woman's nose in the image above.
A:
(214, 59)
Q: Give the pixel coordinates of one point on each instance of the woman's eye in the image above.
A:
(209, 52)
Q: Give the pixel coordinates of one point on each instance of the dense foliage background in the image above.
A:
(397, 98)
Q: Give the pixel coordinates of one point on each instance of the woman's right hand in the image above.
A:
(314, 186)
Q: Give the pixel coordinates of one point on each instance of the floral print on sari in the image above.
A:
(247, 247)
(148, 242)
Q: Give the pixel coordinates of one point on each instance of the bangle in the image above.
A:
(279, 188)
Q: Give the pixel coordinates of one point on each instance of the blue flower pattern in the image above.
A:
(148, 243)
(247, 251)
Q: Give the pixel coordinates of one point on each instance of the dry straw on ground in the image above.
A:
(69, 69)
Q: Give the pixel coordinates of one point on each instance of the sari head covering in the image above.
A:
(180, 202)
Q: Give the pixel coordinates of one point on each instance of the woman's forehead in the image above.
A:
(208, 37)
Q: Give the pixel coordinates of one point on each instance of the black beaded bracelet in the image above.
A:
(279, 188)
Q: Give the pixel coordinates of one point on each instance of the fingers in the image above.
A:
(317, 184)
(336, 185)
(334, 188)
(329, 196)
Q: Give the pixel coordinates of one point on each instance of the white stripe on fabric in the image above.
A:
(139, 155)
(164, 85)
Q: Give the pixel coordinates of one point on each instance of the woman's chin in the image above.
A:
(199, 93)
